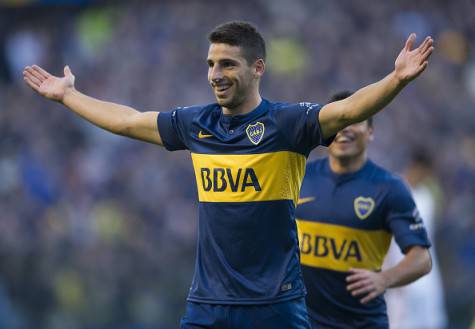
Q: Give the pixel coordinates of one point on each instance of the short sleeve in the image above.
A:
(302, 127)
(403, 218)
(172, 127)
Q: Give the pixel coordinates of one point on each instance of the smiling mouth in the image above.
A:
(221, 90)
(343, 139)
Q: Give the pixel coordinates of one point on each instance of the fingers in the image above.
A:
(33, 74)
(364, 289)
(30, 77)
(363, 282)
(426, 54)
(34, 79)
(426, 44)
(41, 72)
(357, 285)
(410, 41)
(372, 295)
(32, 84)
(425, 49)
(356, 274)
(423, 67)
(358, 281)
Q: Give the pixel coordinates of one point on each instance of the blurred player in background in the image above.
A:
(419, 305)
(249, 158)
(347, 212)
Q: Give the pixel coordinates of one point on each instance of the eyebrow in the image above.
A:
(209, 60)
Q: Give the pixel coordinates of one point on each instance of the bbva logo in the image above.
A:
(222, 179)
(322, 246)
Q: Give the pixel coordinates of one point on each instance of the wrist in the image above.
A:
(386, 279)
(68, 93)
(399, 81)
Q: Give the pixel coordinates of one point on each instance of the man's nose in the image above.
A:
(216, 75)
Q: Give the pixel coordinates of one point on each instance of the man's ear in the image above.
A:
(259, 68)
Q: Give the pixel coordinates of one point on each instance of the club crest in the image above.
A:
(363, 207)
(255, 132)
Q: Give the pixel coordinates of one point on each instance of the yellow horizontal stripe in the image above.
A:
(339, 248)
(248, 177)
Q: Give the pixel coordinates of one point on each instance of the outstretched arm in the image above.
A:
(116, 118)
(369, 100)
(368, 284)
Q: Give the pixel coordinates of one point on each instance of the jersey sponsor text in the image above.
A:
(223, 179)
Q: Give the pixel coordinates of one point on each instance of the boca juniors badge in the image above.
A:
(255, 132)
(363, 207)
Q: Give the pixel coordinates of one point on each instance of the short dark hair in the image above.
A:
(241, 34)
(345, 94)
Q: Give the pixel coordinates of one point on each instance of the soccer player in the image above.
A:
(348, 211)
(249, 158)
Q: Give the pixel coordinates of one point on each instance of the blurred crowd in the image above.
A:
(99, 231)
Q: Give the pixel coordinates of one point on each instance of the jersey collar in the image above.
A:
(237, 120)
(340, 178)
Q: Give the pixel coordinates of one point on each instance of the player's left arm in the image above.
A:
(367, 101)
(368, 284)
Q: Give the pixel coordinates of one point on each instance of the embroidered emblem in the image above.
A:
(363, 207)
(255, 132)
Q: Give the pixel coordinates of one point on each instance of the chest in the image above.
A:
(218, 135)
(353, 203)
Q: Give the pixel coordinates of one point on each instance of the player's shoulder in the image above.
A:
(196, 112)
(393, 182)
(283, 107)
(195, 109)
(316, 167)
(287, 113)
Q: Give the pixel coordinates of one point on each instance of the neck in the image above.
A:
(347, 165)
(248, 104)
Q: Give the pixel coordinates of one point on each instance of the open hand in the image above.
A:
(48, 85)
(365, 283)
(410, 63)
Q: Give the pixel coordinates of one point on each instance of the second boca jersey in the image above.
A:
(347, 221)
(248, 170)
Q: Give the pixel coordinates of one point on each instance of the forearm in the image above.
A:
(360, 106)
(110, 116)
(415, 264)
(371, 99)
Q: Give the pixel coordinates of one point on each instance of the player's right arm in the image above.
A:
(367, 285)
(116, 118)
(403, 220)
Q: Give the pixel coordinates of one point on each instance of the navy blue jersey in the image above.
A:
(249, 170)
(347, 221)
